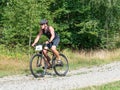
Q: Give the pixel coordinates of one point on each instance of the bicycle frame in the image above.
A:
(44, 57)
(48, 50)
(39, 63)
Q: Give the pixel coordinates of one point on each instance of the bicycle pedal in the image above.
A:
(59, 65)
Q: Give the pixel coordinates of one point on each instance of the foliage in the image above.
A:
(87, 23)
(21, 20)
(81, 24)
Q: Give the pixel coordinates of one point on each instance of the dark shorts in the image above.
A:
(55, 42)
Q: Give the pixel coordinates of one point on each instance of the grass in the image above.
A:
(109, 86)
(17, 62)
(12, 66)
(82, 58)
(13, 62)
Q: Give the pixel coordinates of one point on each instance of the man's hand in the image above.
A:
(47, 42)
(33, 44)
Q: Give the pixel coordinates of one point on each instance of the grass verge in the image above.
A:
(17, 62)
(83, 58)
(109, 86)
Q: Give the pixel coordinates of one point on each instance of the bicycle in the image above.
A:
(38, 63)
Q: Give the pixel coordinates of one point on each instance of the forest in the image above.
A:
(81, 24)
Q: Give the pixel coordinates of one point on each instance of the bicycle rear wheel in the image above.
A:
(61, 70)
(36, 66)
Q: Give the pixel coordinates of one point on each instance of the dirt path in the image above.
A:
(75, 79)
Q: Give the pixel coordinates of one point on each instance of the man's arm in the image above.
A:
(37, 37)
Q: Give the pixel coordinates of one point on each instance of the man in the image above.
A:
(52, 43)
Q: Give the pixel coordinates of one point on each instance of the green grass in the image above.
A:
(82, 58)
(16, 61)
(109, 86)
(13, 62)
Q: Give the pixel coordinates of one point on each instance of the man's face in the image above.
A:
(43, 26)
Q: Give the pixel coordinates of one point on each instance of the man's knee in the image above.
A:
(45, 51)
(53, 48)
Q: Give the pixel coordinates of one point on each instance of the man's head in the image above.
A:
(43, 23)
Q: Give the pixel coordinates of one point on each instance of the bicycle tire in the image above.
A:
(61, 70)
(36, 68)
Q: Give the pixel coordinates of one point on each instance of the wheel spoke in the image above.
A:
(36, 66)
(61, 70)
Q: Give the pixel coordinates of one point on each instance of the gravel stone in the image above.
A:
(81, 78)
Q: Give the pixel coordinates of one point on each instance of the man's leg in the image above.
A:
(46, 55)
(53, 48)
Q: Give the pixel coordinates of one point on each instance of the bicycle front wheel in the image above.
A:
(61, 70)
(36, 66)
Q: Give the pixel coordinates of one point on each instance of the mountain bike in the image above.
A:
(38, 63)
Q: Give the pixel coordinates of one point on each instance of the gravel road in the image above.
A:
(81, 78)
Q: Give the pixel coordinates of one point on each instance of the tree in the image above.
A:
(21, 20)
(86, 23)
(81, 24)
(108, 14)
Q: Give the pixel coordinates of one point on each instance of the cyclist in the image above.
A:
(52, 43)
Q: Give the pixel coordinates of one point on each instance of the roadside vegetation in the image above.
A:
(17, 61)
(109, 86)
